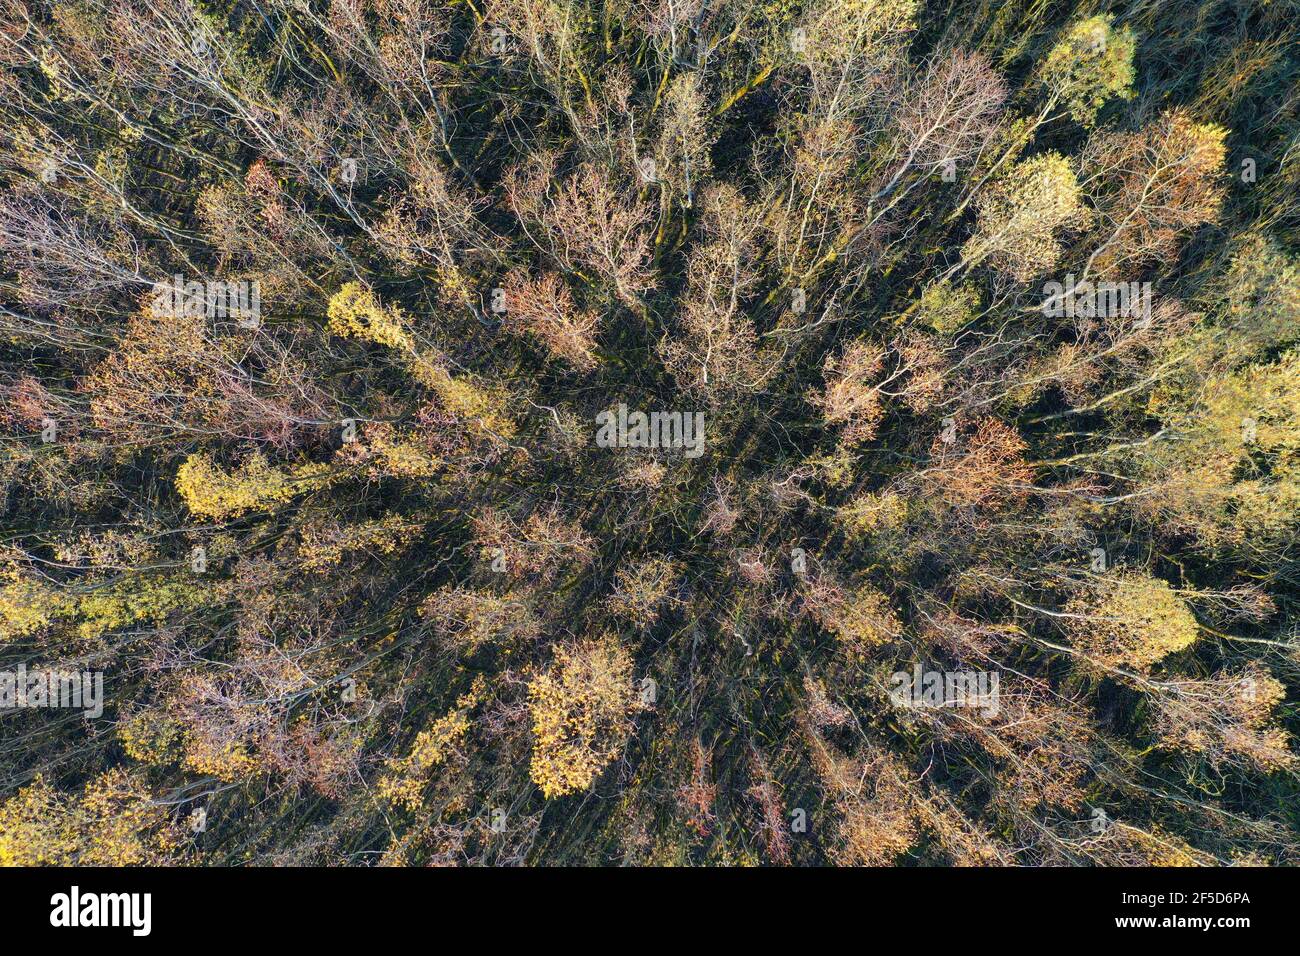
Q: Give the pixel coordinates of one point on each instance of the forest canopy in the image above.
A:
(654, 432)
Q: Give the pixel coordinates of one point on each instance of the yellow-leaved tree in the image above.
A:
(211, 491)
(115, 822)
(1233, 475)
(1131, 620)
(581, 710)
(1092, 63)
(1021, 214)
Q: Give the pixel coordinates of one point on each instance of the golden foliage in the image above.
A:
(355, 312)
(213, 492)
(26, 604)
(324, 546)
(138, 599)
(861, 617)
(581, 711)
(870, 513)
(151, 737)
(115, 822)
(947, 308)
(1090, 64)
(1131, 620)
(1021, 213)
(405, 778)
(1233, 476)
